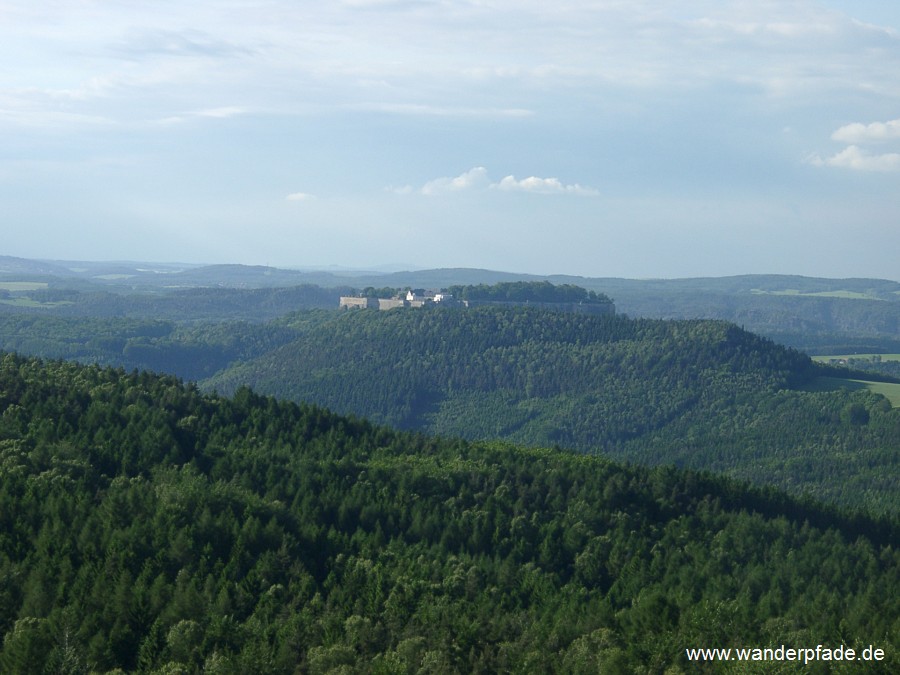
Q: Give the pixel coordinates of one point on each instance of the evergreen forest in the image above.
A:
(239, 478)
(148, 527)
(700, 394)
(692, 393)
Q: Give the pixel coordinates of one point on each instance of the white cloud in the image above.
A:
(473, 178)
(868, 133)
(545, 186)
(856, 159)
(299, 197)
(477, 179)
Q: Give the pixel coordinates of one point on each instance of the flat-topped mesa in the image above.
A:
(543, 295)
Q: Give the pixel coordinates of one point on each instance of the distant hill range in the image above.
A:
(822, 317)
(690, 392)
(818, 315)
(187, 275)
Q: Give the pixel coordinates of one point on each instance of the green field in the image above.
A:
(28, 302)
(844, 357)
(852, 295)
(890, 391)
(23, 285)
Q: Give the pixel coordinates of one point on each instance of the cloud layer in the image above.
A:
(416, 58)
(638, 124)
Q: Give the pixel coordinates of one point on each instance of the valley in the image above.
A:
(266, 482)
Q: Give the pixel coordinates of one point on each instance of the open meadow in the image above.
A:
(889, 390)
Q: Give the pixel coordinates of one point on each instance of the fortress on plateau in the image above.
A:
(591, 303)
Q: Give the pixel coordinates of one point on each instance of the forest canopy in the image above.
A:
(700, 394)
(148, 527)
(529, 291)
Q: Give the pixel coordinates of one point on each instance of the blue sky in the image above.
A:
(600, 138)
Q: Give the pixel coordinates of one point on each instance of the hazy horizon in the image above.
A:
(587, 138)
(393, 268)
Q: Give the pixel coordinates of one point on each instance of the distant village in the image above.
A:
(425, 298)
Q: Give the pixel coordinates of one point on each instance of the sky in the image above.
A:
(603, 138)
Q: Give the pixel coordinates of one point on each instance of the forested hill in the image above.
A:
(400, 367)
(527, 292)
(147, 527)
(704, 394)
